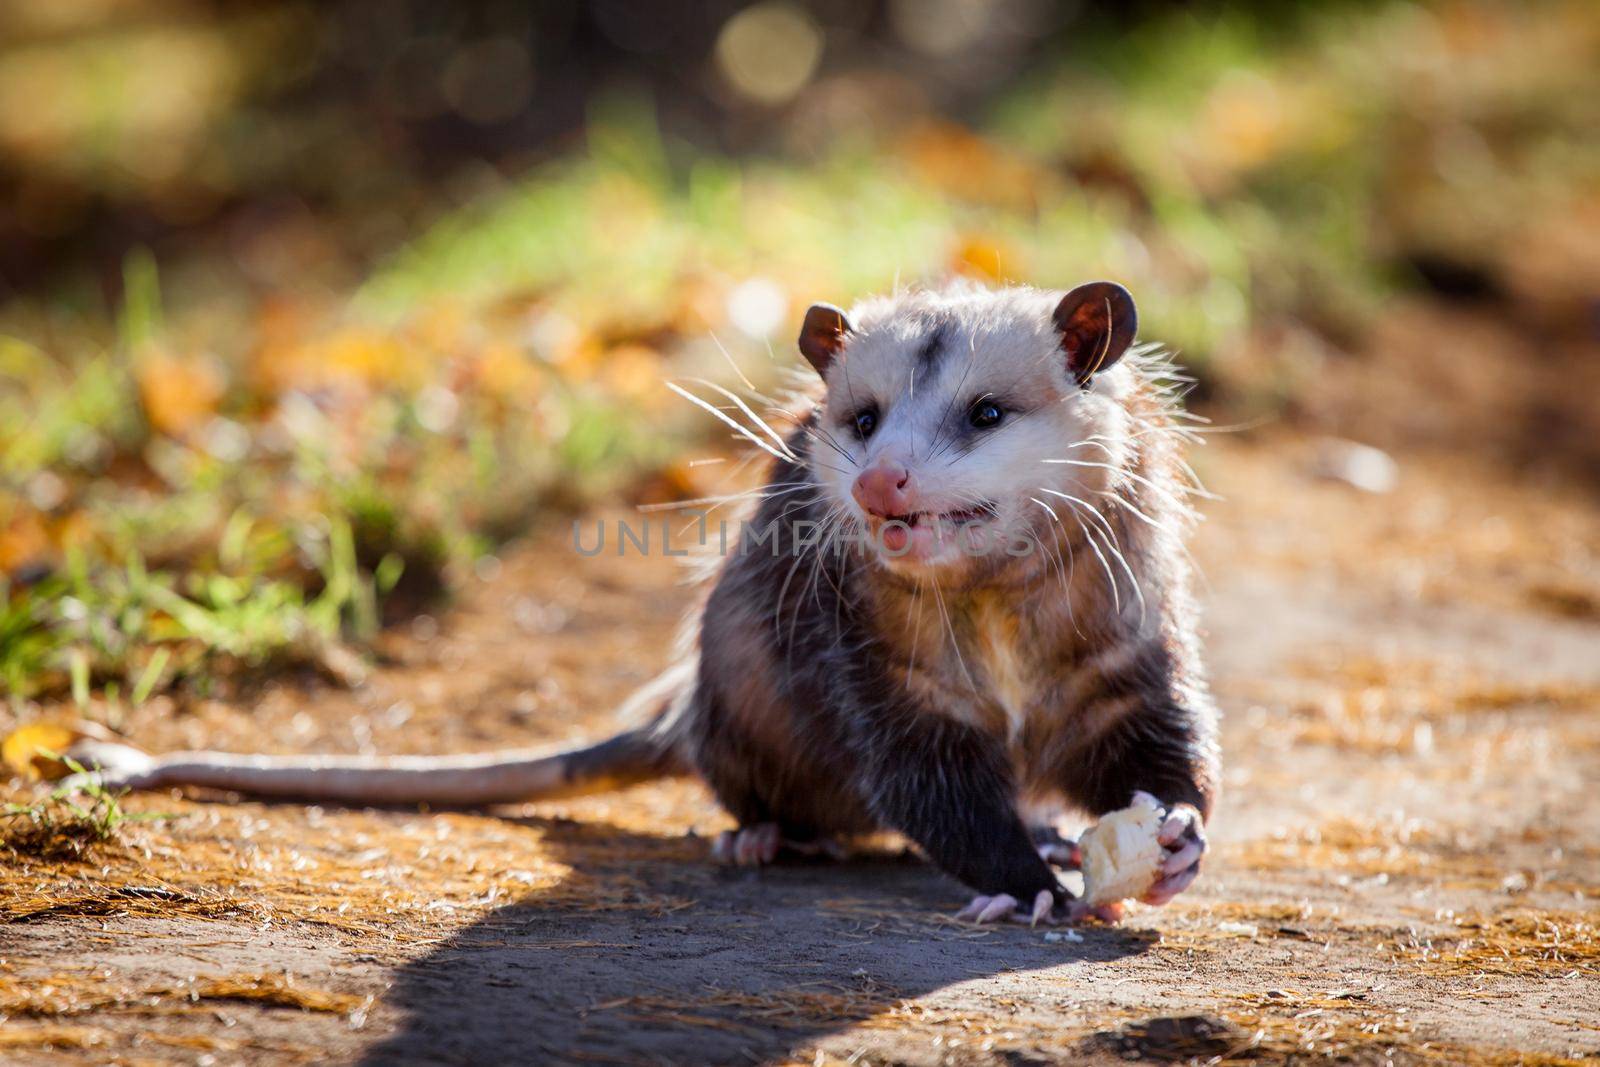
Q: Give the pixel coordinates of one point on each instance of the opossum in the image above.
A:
(962, 596)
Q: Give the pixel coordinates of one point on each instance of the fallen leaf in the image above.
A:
(178, 394)
(24, 750)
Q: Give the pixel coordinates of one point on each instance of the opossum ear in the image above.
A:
(823, 335)
(1097, 323)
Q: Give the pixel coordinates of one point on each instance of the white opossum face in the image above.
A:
(961, 426)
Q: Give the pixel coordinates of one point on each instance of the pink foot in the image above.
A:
(1003, 907)
(748, 846)
(752, 846)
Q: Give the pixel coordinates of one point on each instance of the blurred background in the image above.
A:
(306, 308)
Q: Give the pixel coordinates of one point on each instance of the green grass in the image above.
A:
(68, 820)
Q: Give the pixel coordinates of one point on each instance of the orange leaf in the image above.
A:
(178, 394)
(24, 750)
(984, 257)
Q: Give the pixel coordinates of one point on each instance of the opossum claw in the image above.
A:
(1185, 857)
(1041, 906)
(1167, 888)
(986, 909)
(1183, 835)
(1000, 907)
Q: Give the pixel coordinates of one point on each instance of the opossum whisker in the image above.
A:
(750, 414)
(825, 531)
(1053, 557)
(1194, 486)
(955, 643)
(1112, 545)
(777, 489)
(1093, 441)
(705, 515)
(1069, 572)
(760, 493)
(1123, 472)
(855, 405)
(748, 384)
(817, 433)
(741, 430)
(825, 545)
(814, 586)
(778, 605)
(1118, 498)
(914, 618)
(1073, 505)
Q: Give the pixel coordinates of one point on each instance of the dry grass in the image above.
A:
(1522, 944)
(1341, 1034)
(37, 1037)
(1438, 689)
(364, 873)
(78, 993)
(79, 898)
(1348, 848)
(1359, 848)
(1352, 1026)
(13, 1036)
(1384, 707)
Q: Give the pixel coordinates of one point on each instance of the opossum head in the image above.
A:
(966, 429)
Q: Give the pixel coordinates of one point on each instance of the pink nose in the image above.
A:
(884, 491)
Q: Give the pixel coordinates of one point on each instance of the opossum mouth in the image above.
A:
(956, 517)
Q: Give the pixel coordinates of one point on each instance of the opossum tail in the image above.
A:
(639, 754)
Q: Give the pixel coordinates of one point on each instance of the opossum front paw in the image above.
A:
(1183, 838)
(1003, 907)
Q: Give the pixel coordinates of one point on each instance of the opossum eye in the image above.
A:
(984, 414)
(866, 421)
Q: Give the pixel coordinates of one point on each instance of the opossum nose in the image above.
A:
(884, 491)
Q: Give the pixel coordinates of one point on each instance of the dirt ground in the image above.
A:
(1405, 869)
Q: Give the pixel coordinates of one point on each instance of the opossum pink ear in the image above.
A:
(1097, 323)
(823, 335)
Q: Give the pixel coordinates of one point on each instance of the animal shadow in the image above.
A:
(650, 954)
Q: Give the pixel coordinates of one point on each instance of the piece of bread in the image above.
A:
(1121, 853)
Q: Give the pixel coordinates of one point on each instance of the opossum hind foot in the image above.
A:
(761, 844)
